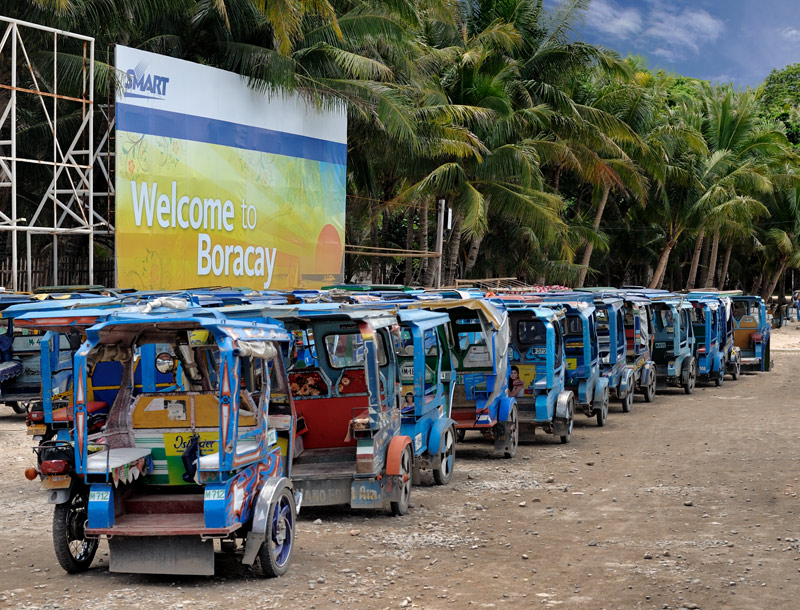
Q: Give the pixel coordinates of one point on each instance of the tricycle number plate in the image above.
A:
(37, 429)
(661, 345)
(56, 481)
(365, 494)
(540, 351)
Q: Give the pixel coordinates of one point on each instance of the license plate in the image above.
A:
(660, 345)
(365, 494)
(37, 429)
(56, 481)
(540, 351)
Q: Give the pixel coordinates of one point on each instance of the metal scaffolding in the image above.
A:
(67, 207)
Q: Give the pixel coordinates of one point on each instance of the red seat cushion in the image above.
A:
(629, 333)
(60, 415)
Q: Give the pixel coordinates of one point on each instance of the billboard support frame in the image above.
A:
(69, 196)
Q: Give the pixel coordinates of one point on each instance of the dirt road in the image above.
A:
(689, 502)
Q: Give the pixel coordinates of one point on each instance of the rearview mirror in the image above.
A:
(165, 362)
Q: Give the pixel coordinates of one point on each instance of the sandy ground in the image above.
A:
(688, 502)
(788, 338)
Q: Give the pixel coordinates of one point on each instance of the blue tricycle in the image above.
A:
(582, 353)
(538, 371)
(478, 335)
(175, 470)
(751, 332)
(427, 382)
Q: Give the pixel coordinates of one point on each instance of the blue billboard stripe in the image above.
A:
(152, 122)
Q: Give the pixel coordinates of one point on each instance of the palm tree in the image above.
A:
(739, 145)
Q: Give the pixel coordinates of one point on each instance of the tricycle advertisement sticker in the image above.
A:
(365, 494)
(572, 364)
(521, 379)
(250, 187)
(174, 446)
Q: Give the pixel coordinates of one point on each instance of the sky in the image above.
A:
(722, 41)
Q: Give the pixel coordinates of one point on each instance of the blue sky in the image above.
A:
(739, 41)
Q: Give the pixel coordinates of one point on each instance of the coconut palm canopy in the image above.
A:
(561, 161)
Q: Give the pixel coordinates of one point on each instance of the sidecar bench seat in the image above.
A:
(10, 369)
(211, 461)
(92, 406)
(110, 459)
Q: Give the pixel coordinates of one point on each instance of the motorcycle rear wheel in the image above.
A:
(74, 551)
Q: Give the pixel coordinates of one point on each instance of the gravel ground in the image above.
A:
(688, 502)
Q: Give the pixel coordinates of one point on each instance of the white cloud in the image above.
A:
(673, 31)
(684, 30)
(665, 53)
(790, 34)
(606, 17)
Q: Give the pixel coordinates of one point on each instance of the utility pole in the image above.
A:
(439, 243)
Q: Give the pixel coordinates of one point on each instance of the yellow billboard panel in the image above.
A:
(245, 193)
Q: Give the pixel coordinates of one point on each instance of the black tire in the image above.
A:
(447, 455)
(650, 388)
(460, 434)
(513, 423)
(737, 370)
(721, 378)
(276, 551)
(602, 412)
(627, 402)
(19, 407)
(74, 552)
(601, 416)
(571, 412)
(401, 506)
(688, 387)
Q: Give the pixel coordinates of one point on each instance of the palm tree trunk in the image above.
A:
(773, 281)
(587, 253)
(426, 264)
(472, 255)
(757, 283)
(658, 276)
(704, 262)
(409, 245)
(695, 260)
(726, 261)
(375, 268)
(712, 261)
(453, 248)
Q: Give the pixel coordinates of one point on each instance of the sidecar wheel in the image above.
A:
(513, 425)
(401, 506)
(74, 552)
(627, 402)
(650, 388)
(19, 407)
(447, 451)
(276, 552)
(737, 370)
(691, 377)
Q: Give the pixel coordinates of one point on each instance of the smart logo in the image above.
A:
(140, 83)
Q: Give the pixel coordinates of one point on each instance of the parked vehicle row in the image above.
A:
(172, 424)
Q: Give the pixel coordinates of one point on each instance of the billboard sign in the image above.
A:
(220, 185)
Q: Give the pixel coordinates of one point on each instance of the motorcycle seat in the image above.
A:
(92, 406)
